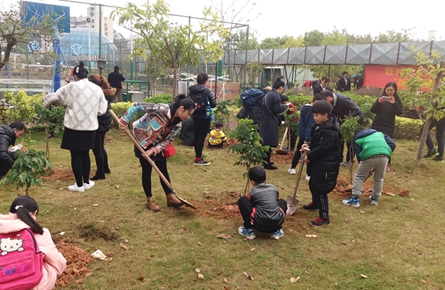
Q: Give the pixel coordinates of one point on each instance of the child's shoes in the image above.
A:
(374, 200)
(319, 222)
(352, 201)
(248, 233)
(277, 235)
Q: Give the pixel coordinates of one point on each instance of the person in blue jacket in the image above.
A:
(305, 125)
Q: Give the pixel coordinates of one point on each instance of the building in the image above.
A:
(92, 20)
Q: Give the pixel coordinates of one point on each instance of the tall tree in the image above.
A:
(425, 91)
(294, 42)
(175, 45)
(14, 30)
(313, 38)
(273, 42)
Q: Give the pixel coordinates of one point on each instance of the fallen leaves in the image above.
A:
(224, 236)
(248, 276)
(126, 248)
(294, 280)
(311, 236)
(363, 276)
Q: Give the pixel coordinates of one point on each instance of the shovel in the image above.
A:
(281, 151)
(291, 201)
(116, 119)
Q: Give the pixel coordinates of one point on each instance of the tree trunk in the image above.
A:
(429, 120)
(47, 143)
(426, 128)
(246, 189)
(175, 81)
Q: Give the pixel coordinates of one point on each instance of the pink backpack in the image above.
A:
(21, 261)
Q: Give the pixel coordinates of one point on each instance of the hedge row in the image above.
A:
(24, 110)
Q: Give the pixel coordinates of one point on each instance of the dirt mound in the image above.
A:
(77, 261)
(62, 174)
(344, 188)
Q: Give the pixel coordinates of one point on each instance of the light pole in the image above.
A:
(89, 44)
(101, 65)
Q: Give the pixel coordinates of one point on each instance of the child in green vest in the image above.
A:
(373, 150)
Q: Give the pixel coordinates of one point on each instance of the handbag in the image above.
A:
(169, 151)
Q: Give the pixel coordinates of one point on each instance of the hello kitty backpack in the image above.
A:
(21, 261)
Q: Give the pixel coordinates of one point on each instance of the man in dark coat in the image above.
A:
(8, 135)
(272, 107)
(115, 79)
(344, 84)
(319, 87)
(344, 106)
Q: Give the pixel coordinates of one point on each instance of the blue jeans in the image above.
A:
(440, 129)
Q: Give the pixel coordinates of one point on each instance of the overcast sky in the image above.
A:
(293, 17)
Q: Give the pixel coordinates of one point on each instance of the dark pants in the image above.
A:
(201, 128)
(266, 159)
(146, 175)
(100, 154)
(440, 129)
(297, 156)
(81, 165)
(245, 208)
(321, 201)
(4, 168)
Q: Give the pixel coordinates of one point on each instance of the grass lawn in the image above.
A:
(397, 244)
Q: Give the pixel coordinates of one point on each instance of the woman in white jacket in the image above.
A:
(22, 214)
(83, 102)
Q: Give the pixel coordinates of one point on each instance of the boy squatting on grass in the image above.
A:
(373, 150)
(261, 208)
(323, 159)
(217, 137)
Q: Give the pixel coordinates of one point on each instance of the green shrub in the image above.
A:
(160, 99)
(408, 129)
(24, 109)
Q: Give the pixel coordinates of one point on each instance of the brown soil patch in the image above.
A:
(77, 261)
(63, 174)
(231, 142)
(344, 188)
(282, 159)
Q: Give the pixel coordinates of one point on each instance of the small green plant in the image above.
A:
(51, 119)
(222, 112)
(347, 131)
(291, 122)
(27, 168)
(249, 147)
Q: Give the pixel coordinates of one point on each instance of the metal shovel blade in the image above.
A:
(186, 203)
(291, 205)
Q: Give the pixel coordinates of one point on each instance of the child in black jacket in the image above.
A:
(323, 159)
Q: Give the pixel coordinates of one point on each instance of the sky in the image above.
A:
(293, 18)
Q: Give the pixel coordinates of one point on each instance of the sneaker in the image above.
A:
(292, 171)
(74, 187)
(248, 233)
(308, 177)
(346, 164)
(438, 158)
(319, 222)
(202, 162)
(277, 235)
(352, 201)
(310, 206)
(374, 200)
(107, 171)
(88, 185)
(431, 154)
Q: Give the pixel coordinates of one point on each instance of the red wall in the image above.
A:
(380, 75)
